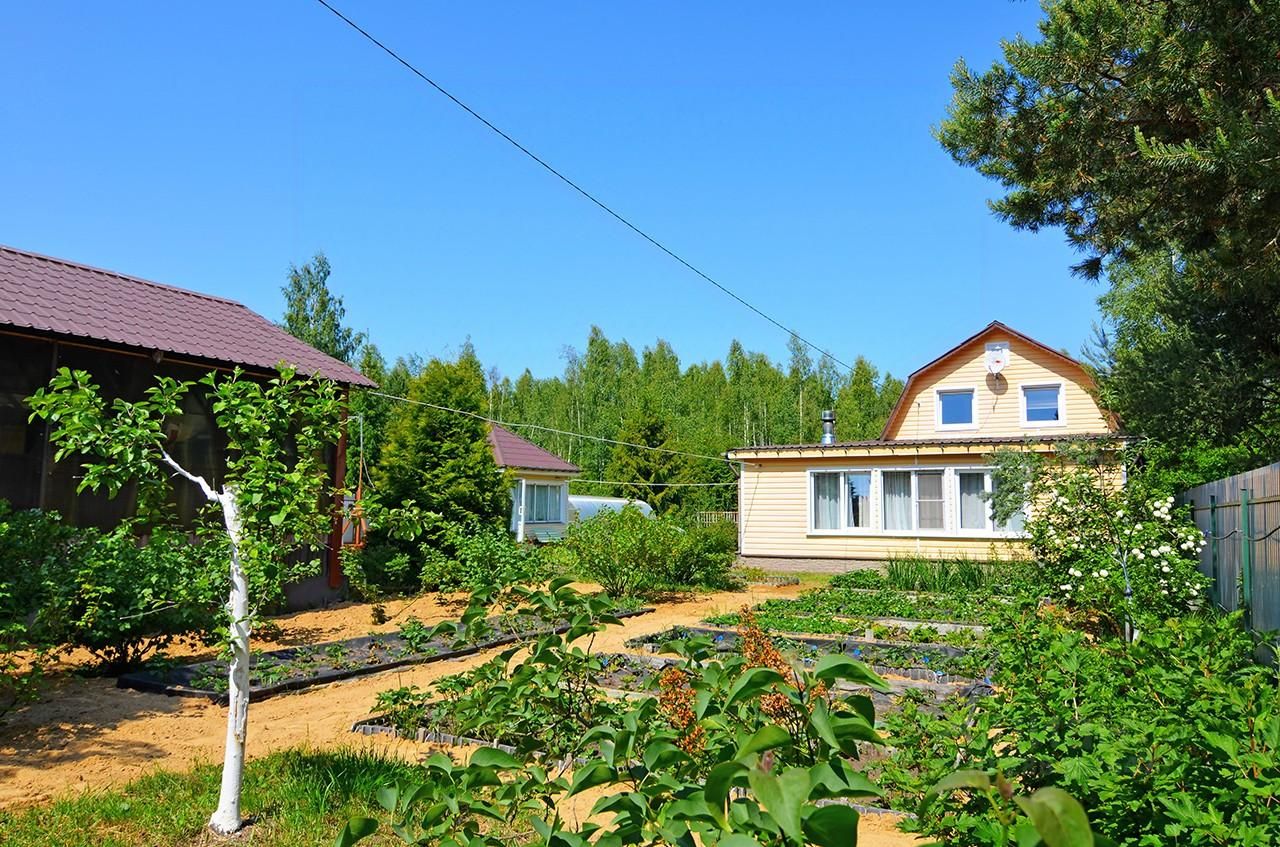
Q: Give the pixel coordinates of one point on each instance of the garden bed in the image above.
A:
(939, 663)
(293, 668)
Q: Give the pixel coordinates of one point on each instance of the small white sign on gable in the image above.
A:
(997, 357)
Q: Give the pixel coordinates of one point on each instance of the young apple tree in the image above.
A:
(273, 493)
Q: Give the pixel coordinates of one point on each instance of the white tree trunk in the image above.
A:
(226, 819)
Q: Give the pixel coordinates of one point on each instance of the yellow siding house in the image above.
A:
(919, 489)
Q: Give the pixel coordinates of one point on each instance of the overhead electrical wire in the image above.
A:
(580, 190)
(551, 429)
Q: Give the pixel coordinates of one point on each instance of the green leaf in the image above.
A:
(277, 518)
(489, 757)
(719, 781)
(388, 796)
(356, 830)
(596, 773)
(765, 738)
(752, 682)
(973, 780)
(1058, 817)
(782, 796)
(832, 826)
(835, 666)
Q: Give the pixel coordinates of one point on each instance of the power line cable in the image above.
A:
(578, 188)
(653, 485)
(550, 429)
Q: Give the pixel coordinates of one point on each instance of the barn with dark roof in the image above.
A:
(126, 331)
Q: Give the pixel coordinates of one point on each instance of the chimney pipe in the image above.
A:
(828, 426)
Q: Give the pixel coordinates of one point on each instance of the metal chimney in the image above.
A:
(828, 426)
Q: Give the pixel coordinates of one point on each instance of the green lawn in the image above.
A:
(297, 798)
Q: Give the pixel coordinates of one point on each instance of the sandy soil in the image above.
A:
(85, 733)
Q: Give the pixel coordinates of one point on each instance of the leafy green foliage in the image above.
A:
(629, 554)
(441, 461)
(858, 605)
(33, 545)
(1093, 537)
(313, 314)
(480, 556)
(731, 750)
(1175, 736)
(122, 598)
(1144, 131)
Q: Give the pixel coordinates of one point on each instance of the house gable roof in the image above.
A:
(1085, 379)
(65, 298)
(512, 451)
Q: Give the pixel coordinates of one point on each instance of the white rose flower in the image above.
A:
(1104, 573)
(1164, 569)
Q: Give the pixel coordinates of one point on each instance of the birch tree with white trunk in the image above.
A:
(271, 494)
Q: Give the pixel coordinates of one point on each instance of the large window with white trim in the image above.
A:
(931, 501)
(841, 499)
(542, 503)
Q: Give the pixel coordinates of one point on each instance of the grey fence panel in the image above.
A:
(1242, 553)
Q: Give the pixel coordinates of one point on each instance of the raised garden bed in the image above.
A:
(941, 663)
(292, 668)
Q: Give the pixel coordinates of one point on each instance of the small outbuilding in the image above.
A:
(125, 332)
(540, 495)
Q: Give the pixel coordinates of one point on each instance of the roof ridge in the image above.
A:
(126, 277)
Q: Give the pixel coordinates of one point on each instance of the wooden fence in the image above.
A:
(1240, 519)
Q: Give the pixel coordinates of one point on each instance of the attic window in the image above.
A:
(1042, 405)
(955, 407)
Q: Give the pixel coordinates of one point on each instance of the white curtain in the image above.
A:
(859, 488)
(897, 499)
(929, 499)
(973, 508)
(826, 501)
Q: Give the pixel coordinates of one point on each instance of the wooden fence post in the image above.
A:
(1246, 557)
(1213, 546)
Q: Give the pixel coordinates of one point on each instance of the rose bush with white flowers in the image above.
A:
(1086, 537)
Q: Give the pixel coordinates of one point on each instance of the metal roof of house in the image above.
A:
(512, 451)
(66, 298)
(916, 443)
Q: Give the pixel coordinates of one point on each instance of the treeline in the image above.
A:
(608, 392)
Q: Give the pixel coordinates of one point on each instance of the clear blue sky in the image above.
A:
(786, 152)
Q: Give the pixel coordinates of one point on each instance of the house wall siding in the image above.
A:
(998, 401)
(773, 504)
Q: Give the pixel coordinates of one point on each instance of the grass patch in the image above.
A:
(296, 797)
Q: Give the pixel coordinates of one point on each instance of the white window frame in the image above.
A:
(972, 391)
(950, 504)
(1062, 404)
(527, 501)
(843, 488)
(990, 529)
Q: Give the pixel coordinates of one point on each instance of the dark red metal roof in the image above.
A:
(512, 451)
(56, 296)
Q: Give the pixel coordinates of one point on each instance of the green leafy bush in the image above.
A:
(380, 568)
(704, 556)
(477, 556)
(1175, 736)
(1092, 531)
(629, 554)
(121, 599)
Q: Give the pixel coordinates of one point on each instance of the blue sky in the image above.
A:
(786, 152)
